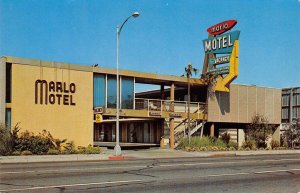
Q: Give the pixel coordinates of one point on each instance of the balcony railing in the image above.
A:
(168, 105)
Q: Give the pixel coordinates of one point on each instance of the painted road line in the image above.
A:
(66, 170)
(275, 171)
(73, 185)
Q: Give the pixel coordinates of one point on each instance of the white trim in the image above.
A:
(134, 93)
(105, 90)
(120, 94)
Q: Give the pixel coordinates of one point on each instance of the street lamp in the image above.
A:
(117, 147)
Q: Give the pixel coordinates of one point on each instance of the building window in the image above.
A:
(8, 83)
(294, 100)
(127, 93)
(298, 99)
(111, 92)
(294, 112)
(285, 100)
(8, 118)
(285, 113)
(99, 90)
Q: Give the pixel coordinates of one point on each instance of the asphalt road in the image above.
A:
(271, 173)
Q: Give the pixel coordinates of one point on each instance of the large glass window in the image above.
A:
(99, 90)
(111, 92)
(8, 83)
(127, 93)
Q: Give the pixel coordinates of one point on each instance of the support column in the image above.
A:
(212, 130)
(162, 92)
(172, 132)
(162, 138)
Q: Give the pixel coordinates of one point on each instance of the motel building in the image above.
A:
(78, 103)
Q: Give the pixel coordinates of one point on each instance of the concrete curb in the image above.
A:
(141, 154)
(52, 158)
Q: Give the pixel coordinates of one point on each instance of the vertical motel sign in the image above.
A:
(221, 54)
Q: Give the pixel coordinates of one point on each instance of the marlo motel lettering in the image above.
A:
(59, 93)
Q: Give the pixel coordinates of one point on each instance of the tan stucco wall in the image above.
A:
(63, 121)
(243, 102)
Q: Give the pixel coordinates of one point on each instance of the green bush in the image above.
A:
(225, 137)
(39, 144)
(6, 140)
(198, 144)
(231, 148)
(89, 150)
(53, 152)
(203, 148)
(274, 144)
(69, 148)
(249, 144)
(232, 144)
(26, 152)
(16, 153)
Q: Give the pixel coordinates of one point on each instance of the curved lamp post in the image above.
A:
(119, 29)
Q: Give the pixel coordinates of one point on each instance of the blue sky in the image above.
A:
(164, 39)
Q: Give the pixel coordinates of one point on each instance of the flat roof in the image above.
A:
(140, 77)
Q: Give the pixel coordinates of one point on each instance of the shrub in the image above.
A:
(259, 130)
(249, 144)
(16, 153)
(26, 152)
(53, 152)
(222, 148)
(274, 144)
(231, 148)
(197, 143)
(225, 137)
(69, 148)
(36, 144)
(6, 140)
(232, 144)
(89, 150)
(203, 149)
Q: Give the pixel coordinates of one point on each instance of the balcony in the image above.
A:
(162, 108)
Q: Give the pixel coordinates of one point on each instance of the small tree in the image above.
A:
(259, 130)
(189, 70)
(6, 140)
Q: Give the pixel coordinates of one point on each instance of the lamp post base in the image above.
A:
(117, 150)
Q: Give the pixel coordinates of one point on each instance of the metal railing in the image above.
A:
(168, 105)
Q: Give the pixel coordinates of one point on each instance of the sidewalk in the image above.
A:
(136, 154)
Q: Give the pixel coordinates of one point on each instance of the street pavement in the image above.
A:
(251, 173)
